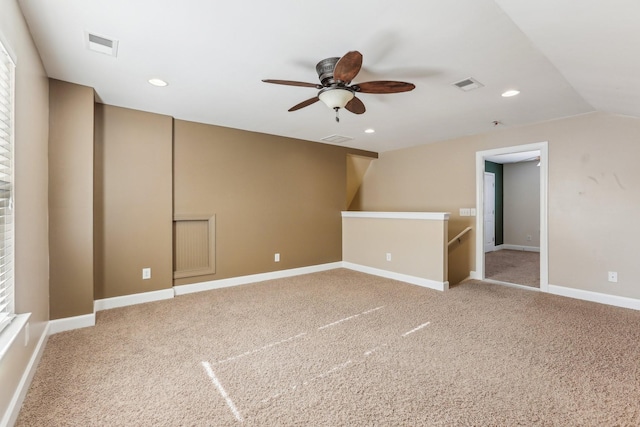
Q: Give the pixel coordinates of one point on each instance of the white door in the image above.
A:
(489, 211)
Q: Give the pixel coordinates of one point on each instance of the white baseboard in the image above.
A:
(243, 280)
(11, 415)
(518, 248)
(426, 283)
(614, 300)
(126, 300)
(70, 323)
(474, 275)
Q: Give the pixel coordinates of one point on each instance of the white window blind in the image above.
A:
(7, 309)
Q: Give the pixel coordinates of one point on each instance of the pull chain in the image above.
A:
(337, 117)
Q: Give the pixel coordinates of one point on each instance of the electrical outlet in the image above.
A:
(276, 258)
(388, 256)
(528, 237)
(613, 276)
(146, 273)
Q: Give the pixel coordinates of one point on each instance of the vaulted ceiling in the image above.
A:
(566, 58)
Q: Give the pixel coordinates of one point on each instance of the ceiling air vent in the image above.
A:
(336, 139)
(468, 84)
(101, 44)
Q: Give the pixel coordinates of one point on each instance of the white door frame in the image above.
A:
(544, 187)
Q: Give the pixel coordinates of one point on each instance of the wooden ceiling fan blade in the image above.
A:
(305, 103)
(383, 86)
(355, 106)
(348, 67)
(293, 83)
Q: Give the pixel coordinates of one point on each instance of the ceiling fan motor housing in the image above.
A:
(325, 69)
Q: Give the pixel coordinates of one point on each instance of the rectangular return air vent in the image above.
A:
(468, 84)
(336, 139)
(101, 44)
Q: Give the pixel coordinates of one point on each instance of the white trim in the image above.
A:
(11, 414)
(69, 323)
(512, 285)
(474, 275)
(126, 300)
(261, 277)
(426, 283)
(543, 147)
(11, 332)
(397, 215)
(518, 248)
(614, 300)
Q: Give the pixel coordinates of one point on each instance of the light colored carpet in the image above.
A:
(519, 267)
(341, 348)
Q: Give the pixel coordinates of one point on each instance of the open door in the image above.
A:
(489, 212)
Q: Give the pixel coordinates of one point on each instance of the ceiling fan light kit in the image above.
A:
(336, 90)
(335, 97)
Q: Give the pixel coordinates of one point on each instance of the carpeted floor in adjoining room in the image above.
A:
(519, 267)
(342, 348)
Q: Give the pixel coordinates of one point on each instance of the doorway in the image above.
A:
(484, 195)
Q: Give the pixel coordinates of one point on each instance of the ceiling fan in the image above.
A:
(336, 90)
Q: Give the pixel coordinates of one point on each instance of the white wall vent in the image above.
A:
(336, 139)
(468, 84)
(101, 44)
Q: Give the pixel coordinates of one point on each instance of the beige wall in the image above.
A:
(417, 246)
(521, 190)
(356, 169)
(593, 193)
(133, 201)
(70, 199)
(428, 178)
(32, 246)
(461, 256)
(269, 194)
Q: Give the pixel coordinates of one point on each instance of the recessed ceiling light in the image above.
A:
(369, 130)
(158, 82)
(509, 93)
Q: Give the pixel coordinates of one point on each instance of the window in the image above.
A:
(7, 309)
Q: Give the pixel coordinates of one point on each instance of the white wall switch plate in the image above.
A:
(276, 257)
(473, 211)
(146, 273)
(613, 276)
(388, 256)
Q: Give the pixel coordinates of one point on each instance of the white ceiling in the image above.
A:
(522, 156)
(566, 57)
